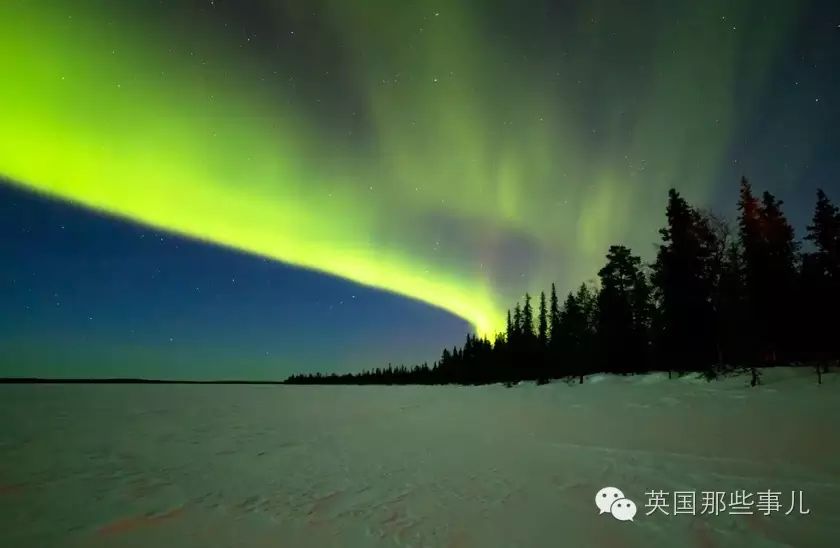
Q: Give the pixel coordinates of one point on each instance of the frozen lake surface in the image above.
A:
(287, 466)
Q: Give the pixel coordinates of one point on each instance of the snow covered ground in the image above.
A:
(239, 466)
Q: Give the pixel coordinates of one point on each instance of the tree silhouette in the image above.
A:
(553, 317)
(731, 313)
(624, 312)
(715, 298)
(820, 282)
(683, 278)
(587, 302)
(510, 330)
(749, 227)
(517, 326)
(777, 302)
(575, 333)
(542, 325)
(569, 335)
(528, 320)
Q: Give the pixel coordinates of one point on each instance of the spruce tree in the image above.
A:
(586, 301)
(624, 312)
(824, 234)
(752, 248)
(553, 353)
(779, 303)
(527, 320)
(517, 326)
(510, 331)
(683, 276)
(731, 312)
(770, 270)
(571, 325)
(553, 317)
(542, 326)
(820, 282)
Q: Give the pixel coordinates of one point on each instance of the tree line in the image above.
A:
(717, 296)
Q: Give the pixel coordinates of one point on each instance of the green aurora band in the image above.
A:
(456, 156)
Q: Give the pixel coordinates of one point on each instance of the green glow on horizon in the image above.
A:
(470, 146)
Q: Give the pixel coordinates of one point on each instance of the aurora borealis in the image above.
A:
(457, 153)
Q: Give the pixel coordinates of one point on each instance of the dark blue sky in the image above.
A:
(88, 295)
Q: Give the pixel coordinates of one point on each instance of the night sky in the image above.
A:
(245, 189)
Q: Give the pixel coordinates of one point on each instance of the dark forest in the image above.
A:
(718, 297)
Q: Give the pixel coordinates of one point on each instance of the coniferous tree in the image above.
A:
(554, 347)
(515, 353)
(528, 344)
(731, 312)
(683, 276)
(769, 257)
(517, 325)
(497, 358)
(553, 317)
(510, 331)
(575, 333)
(752, 247)
(824, 233)
(567, 336)
(542, 325)
(624, 312)
(820, 284)
(528, 320)
(725, 273)
(779, 302)
(541, 353)
(587, 302)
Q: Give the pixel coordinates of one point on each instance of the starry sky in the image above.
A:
(220, 189)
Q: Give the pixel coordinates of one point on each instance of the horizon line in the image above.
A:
(126, 380)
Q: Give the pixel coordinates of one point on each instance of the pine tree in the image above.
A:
(571, 326)
(731, 313)
(574, 334)
(527, 320)
(586, 301)
(824, 233)
(554, 319)
(779, 289)
(820, 282)
(553, 356)
(683, 276)
(752, 248)
(770, 270)
(510, 331)
(517, 326)
(542, 326)
(624, 312)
